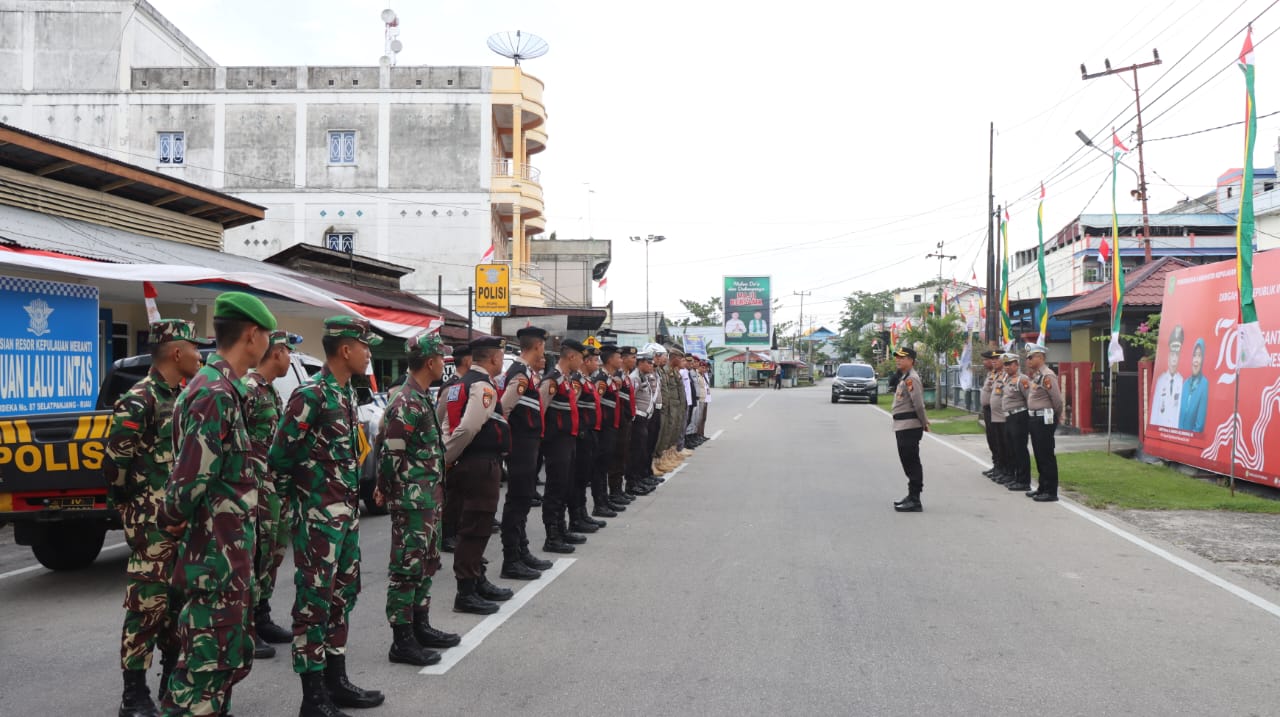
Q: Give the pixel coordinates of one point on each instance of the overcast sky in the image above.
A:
(829, 145)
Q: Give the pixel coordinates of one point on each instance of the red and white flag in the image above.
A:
(149, 297)
(1104, 250)
(488, 255)
(604, 281)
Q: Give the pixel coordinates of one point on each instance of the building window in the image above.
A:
(344, 242)
(917, 298)
(171, 147)
(342, 146)
(1092, 275)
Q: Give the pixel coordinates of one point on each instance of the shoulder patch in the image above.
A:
(487, 398)
(908, 382)
(454, 391)
(520, 386)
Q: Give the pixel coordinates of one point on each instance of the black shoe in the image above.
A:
(582, 526)
(910, 505)
(616, 506)
(534, 561)
(622, 497)
(448, 544)
(1046, 498)
(468, 601)
(535, 501)
(1033, 493)
(1019, 486)
(556, 545)
(496, 528)
(406, 650)
(635, 489)
(268, 630)
(489, 591)
(316, 701)
(261, 650)
(573, 538)
(135, 700)
(1004, 478)
(904, 500)
(515, 569)
(344, 693)
(989, 472)
(428, 636)
(604, 510)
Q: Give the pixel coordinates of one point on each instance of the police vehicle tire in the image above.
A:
(71, 546)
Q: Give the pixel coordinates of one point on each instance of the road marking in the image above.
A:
(753, 403)
(667, 478)
(737, 416)
(716, 435)
(477, 634)
(37, 566)
(1242, 593)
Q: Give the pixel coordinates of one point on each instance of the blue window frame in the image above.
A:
(171, 147)
(342, 146)
(344, 242)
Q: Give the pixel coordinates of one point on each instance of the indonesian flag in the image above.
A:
(488, 255)
(1104, 250)
(1253, 345)
(604, 281)
(149, 298)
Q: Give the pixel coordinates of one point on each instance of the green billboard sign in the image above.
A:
(747, 322)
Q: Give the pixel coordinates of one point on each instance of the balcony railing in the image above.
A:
(506, 168)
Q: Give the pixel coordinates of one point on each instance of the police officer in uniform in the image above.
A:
(1016, 389)
(609, 388)
(909, 425)
(523, 408)
(476, 438)
(988, 386)
(1045, 406)
(584, 459)
(644, 379)
(452, 508)
(1003, 462)
(560, 436)
(618, 498)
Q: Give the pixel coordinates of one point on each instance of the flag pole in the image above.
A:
(1111, 400)
(1235, 432)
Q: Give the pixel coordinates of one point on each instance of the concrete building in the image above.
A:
(567, 269)
(423, 167)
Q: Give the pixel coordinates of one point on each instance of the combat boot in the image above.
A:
(513, 568)
(261, 650)
(489, 591)
(316, 701)
(168, 661)
(467, 600)
(344, 693)
(268, 630)
(406, 650)
(555, 541)
(911, 505)
(657, 468)
(603, 509)
(135, 700)
(428, 636)
(578, 521)
(449, 544)
(570, 537)
(584, 515)
(616, 505)
(533, 561)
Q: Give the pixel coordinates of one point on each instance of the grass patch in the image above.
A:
(1109, 481)
(957, 427)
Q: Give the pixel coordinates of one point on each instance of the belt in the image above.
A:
(1014, 412)
(607, 403)
(560, 407)
(1038, 411)
(906, 416)
(641, 414)
(528, 402)
(625, 397)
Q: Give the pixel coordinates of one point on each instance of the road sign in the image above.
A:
(493, 290)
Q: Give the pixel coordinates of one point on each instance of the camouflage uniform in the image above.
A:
(316, 450)
(140, 446)
(262, 415)
(410, 469)
(214, 491)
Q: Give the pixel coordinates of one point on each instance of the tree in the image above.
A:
(935, 337)
(710, 313)
(862, 308)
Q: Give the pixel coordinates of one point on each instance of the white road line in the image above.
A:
(33, 568)
(716, 435)
(753, 403)
(477, 634)
(667, 478)
(737, 416)
(1155, 550)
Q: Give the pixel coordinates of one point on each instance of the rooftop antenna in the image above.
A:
(518, 46)
(391, 45)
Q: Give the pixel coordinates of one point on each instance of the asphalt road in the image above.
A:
(770, 576)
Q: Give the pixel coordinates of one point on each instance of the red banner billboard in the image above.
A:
(1190, 418)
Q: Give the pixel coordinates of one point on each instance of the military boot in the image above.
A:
(449, 543)
(602, 509)
(261, 650)
(513, 568)
(570, 537)
(406, 650)
(168, 661)
(533, 561)
(467, 600)
(428, 636)
(343, 692)
(555, 542)
(268, 630)
(135, 700)
(316, 701)
(911, 505)
(489, 591)
(579, 522)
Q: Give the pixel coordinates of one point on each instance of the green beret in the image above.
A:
(166, 330)
(350, 327)
(243, 307)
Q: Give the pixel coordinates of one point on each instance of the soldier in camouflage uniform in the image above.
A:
(317, 454)
(262, 411)
(140, 447)
(211, 501)
(410, 481)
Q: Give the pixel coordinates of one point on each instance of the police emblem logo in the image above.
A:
(487, 399)
(520, 388)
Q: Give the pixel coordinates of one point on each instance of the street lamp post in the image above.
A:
(647, 241)
(1140, 193)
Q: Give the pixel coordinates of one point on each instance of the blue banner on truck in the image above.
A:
(48, 347)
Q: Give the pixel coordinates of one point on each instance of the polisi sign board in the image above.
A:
(493, 290)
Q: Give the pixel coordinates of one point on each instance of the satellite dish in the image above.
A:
(518, 46)
(396, 46)
(388, 16)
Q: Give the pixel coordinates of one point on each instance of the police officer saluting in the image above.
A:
(1016, 388)
(909, 425)
(1045, 406)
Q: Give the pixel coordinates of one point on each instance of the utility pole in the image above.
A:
(991, 234)
(1142, 170)
(800, 324)
(940, 257)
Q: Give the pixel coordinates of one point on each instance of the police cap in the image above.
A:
(573, 345)
(905, 352)
(532, 332)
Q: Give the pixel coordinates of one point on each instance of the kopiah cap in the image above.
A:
(350, 327)
(240, 306)
(905, 352)
(166, 330)
(427, 343)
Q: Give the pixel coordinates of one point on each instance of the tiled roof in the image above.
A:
(1144, 288)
